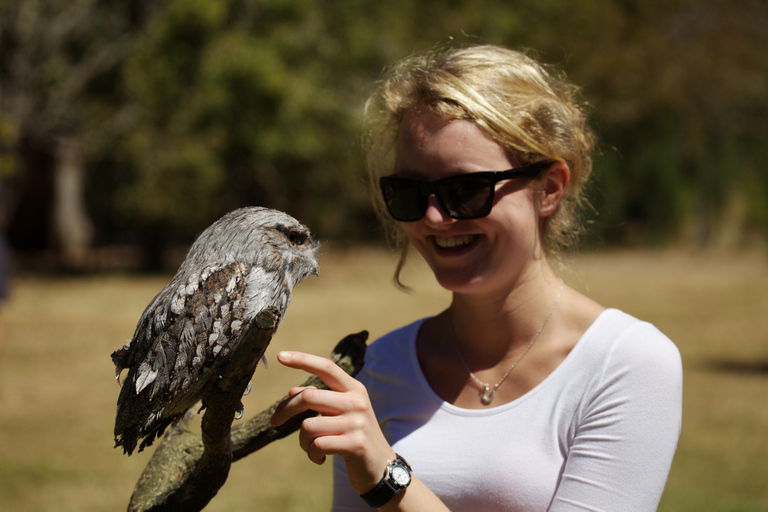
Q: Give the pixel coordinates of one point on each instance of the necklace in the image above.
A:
(488, 392)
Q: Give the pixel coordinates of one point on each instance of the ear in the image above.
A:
(554, 182)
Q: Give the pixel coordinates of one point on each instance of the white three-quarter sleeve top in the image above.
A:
(599, 433)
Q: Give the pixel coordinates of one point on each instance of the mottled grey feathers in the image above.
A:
(249, 259)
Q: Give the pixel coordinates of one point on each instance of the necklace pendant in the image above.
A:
(488, 394)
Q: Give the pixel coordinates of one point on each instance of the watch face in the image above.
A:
(401, 476)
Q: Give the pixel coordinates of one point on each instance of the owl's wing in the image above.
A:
(197, 322)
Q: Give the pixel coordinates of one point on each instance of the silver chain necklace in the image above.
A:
(488, 392)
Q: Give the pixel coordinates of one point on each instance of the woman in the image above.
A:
(524, 394)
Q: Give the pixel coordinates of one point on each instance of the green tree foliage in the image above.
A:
(243, 103)
(679, 89)
(223, 103)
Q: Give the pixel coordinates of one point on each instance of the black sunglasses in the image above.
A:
(464, 196)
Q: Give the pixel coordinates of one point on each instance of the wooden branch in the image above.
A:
(187, 469)
(183, 476)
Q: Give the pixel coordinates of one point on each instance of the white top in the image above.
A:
(598, 433)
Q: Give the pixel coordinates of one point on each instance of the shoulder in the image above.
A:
(391, 357)
(394, 344)
(621, 352)
(391, 372)
(629, 339)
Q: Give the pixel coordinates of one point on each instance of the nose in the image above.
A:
(435, 214)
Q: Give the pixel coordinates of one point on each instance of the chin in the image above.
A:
(458, 281)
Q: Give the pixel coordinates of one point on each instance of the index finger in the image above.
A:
(329, 372)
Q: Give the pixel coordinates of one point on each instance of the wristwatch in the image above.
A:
(396, 478)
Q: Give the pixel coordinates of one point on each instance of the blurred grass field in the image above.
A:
(58, 392)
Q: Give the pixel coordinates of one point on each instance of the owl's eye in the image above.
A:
(297, 237)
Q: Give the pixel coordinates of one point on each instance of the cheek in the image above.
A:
(514, 225)
(418, 241)
(409, 230)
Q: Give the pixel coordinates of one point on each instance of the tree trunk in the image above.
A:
(73, 229)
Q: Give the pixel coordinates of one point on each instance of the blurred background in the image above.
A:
(127, 127)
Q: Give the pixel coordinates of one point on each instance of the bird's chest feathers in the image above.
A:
(264, 288)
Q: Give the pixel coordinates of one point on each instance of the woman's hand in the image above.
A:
(346, 424)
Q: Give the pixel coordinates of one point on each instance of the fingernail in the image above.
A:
(283, 356)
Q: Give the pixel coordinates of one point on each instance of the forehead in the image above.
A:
(429, 143)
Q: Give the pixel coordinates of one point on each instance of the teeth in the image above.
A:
(454, 241)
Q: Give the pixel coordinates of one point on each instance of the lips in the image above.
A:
(454, 242)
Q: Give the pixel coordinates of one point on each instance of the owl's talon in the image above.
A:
(240, 411)
(248, 389)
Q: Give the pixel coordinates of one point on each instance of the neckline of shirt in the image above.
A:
(460, 411)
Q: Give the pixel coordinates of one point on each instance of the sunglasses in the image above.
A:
(463, 197)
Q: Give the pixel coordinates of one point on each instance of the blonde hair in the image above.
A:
(529, 111)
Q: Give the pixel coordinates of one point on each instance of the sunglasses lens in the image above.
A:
(405, 199)
(466, 196)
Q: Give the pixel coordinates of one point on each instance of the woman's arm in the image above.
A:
(626, 431)
(346, 426)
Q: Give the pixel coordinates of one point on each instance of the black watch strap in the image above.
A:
(388, 487)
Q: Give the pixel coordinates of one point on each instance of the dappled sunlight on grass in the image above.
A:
(58, 393)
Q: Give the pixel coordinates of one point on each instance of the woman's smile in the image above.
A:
(454, 242)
